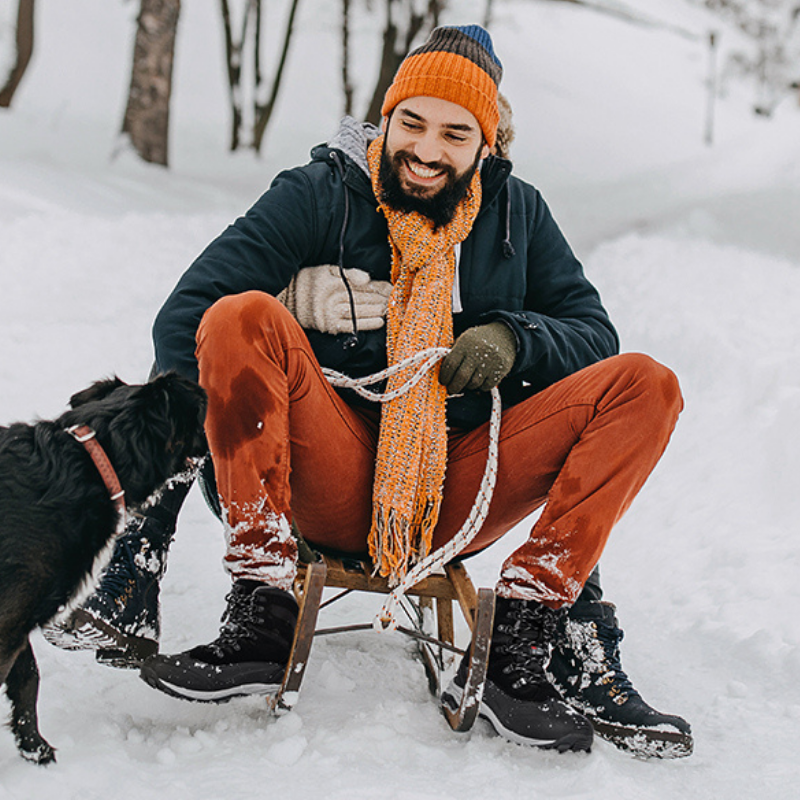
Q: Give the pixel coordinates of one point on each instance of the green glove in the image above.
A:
(481, 357)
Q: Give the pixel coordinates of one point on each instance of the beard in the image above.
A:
(439, 208)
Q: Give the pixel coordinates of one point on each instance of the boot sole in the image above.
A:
(84, 631)
(575, 741)
(220, 696)
(638, 740)
(645, 742)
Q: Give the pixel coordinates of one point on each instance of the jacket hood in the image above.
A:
(353, 139)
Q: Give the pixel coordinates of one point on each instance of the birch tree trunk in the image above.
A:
(146, 120)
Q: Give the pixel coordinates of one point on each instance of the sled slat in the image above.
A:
(463, 718)
(310, 600)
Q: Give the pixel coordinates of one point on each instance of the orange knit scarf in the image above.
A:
(412, 441)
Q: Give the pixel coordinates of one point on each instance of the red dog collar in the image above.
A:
(88, 438)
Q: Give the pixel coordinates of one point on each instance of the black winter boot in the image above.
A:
(518, 700)
(121, 620)
(248, 657)
(585, 667)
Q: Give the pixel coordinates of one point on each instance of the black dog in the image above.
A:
(57, 516)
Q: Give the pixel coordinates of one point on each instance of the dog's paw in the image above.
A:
(41, 753)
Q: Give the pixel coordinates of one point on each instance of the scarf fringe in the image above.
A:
(397, 544)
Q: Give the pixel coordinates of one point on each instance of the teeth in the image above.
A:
(422, 172)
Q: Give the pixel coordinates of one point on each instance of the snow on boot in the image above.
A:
(518, 700)
(585, 666)
(121, 619)
(248, 657)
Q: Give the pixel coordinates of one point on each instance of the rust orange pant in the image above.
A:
(285, 443)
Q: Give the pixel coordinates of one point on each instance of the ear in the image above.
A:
(97, 391)
(485, 150)
(179, 390)
(181, 403)
(384, 123)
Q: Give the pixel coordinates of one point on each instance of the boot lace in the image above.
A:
(131, 562)
(237, 621)
(609, 637)
(521, 645)
(120, 576)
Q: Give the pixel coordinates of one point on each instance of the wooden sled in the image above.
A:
(433, 595)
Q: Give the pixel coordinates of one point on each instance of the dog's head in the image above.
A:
(149, 431)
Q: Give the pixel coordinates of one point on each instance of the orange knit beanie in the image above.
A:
(456, 64)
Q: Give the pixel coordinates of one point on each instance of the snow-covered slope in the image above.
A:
(697, 254)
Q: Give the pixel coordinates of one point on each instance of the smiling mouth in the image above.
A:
(425, 173)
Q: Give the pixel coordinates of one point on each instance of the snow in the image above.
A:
(696, 251)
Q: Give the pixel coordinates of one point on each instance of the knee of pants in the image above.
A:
(660, 384)
(238, 309)
(237, 320)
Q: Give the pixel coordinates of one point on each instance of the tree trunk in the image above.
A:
(234, 51)
(347, 86)
(488, 14)
(146, 119)
(234, 72)
(389, 64)
(392, 55)
(435, 7)
(264, 110)
(246, 86)
(24, 51)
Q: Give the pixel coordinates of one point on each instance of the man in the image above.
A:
(435, 245)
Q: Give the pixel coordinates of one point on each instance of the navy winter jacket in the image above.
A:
(515, 266)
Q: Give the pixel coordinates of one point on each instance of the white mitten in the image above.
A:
(318, 299)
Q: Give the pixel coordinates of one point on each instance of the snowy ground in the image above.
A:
(697, 253)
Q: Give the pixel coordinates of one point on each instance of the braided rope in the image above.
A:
(424, 360)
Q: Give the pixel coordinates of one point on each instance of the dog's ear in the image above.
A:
(97, 391)
(185, 393)
(178, 405)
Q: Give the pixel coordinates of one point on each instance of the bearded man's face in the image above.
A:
(430, 152)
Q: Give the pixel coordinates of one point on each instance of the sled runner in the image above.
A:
(433, 595)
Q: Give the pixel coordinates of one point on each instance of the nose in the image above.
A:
(427, 148)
